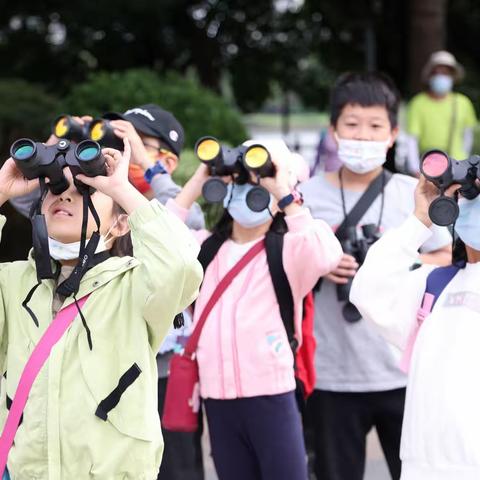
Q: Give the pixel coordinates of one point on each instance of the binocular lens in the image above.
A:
(256, 157)
(23, 149)
(207, 149)
(98, 131)
(435, 164)
(61, 127)
(88, 153)
(24, 152)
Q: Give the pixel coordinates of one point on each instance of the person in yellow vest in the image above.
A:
(440, 118)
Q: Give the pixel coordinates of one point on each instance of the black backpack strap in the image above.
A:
(281, 285)
(209, 250)
(364, 203)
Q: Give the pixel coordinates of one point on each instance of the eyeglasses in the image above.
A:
(157, 149)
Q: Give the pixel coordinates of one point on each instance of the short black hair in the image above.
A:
(366, 89)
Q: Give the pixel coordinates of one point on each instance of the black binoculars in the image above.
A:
(237, 162)
(100, 130)
(66, 127)
(36, 160)
(357, 248)
(444, 171)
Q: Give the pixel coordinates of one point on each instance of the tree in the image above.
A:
(427, 35)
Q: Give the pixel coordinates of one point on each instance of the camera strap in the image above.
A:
(376, 187)
(87, 251)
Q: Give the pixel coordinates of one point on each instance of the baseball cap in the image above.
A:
(152, 120)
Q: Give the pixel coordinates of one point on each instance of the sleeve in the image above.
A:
(164, 189)
(169, 275)
(440, 238)
(24, 203)
(385, 291)
(470, 116)
(310, 251)
(413, 118)
(182, 214)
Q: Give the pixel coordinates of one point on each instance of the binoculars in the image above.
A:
(36, 160)
(444, 171)
(357, 248)
(237, 162)
(100, 130)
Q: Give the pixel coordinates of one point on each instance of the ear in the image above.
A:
(170, 162)
(394, 135)
(331, 132)
(121, 227)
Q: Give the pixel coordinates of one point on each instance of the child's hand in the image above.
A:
(139, 155)
(346, 269)
(13, 183)
(116, 179)
(278, 185)
(192, 190)
(425, 193)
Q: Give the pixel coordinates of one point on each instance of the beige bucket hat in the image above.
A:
(445, 58)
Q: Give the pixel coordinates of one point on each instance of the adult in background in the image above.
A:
(439, 117)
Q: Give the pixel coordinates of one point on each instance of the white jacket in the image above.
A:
(441, 429)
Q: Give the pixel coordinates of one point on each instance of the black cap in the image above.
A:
(154, 121)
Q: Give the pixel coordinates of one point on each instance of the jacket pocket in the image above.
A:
(120, 389)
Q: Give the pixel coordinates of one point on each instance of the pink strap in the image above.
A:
(422, 314)
(37, 359)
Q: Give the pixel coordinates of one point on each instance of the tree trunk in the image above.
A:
(427, 35)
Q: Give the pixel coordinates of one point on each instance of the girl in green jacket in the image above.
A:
(68, 430)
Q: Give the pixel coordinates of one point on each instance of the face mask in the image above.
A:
(467, 225)
(441, 84)
(362, 156)
(136, 176)
(236, 204)
(71, 251)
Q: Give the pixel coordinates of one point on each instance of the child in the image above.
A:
(441, 426)
(130, 308)
(245, 361)
(359, 385)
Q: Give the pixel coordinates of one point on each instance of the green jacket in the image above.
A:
(131, 306)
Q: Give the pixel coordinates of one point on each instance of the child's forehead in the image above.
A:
(365, 111)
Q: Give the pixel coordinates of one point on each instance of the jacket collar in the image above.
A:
(98, 275)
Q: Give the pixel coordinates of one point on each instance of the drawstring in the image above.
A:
(27, 300)
(85, 325)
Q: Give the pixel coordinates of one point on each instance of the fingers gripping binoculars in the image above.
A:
(444, 171)
(99, 130)
(237, 162)
(36, 160)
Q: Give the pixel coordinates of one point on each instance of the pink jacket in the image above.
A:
(243, 350)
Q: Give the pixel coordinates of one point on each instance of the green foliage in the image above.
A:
(200, 111)
(26, 111)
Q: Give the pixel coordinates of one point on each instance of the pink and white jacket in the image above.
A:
(243, 349)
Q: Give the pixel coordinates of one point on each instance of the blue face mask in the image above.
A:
(467, 225)
(236, 204)
(441, 84)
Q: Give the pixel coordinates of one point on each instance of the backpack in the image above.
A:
(303, 356)
(437, 280)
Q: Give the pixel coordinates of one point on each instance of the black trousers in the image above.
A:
(182, 456)
(340, 423)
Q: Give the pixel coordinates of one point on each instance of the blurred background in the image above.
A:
(229, 68)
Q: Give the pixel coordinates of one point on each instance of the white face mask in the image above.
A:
(441, 84)
(71, 251)
(362, 156)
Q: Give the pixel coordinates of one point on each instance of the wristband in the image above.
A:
(152, 171)
(294, 197)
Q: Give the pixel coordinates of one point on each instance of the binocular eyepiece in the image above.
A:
(36, 160)
(237, 162)
(100, 130)
(444, 171)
